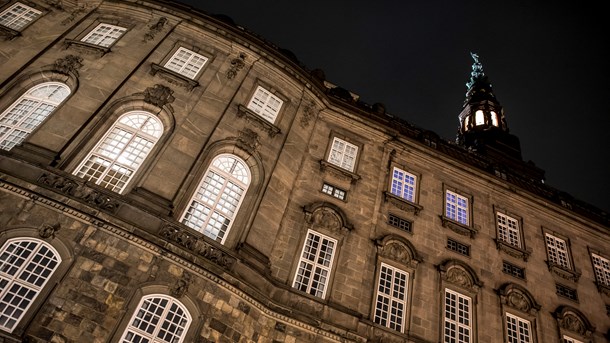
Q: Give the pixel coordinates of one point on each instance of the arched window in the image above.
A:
(158, 319)
(25, 114)
(218, 196)
(117, 157)
(25, 267)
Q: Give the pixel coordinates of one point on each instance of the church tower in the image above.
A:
(483, 125)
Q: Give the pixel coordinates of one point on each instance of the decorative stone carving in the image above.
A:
(46, 231)
(80, 191)
(159, 95)
(338, 172)
(515, 296)
(69, 64)
(570, 319)
(237, 64)
(248, 140)
(181, 286)
(396, 252)
(517, 300)
(571, 323)
(172, 77)
(459, 277)
(154, 29)
(326, 218)
(458, 228)
(308, 113)
(401, 203)
(187, 239)
(567, 274)
(512, 250)
(56, 4)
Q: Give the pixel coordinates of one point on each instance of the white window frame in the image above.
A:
(509, 230)
(121, 151)
(16, 20)
(456, 319)
(403, 184)
(343, 154)
(219, 185)
(391, 297)
(568, 339)
(186, 62)
(265, 104)
(601, 266)
(24, 115)
(558, 251)
(24, 276)
(515, 327)
(456, 211)
(143, 316)
(98, 35)
(309, 264)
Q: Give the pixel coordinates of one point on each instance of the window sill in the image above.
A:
(8, 33)
(258, 121)
(87, 48)
(402, 203)
(459, 228)
(602, 288)
(562, 272)
(173, 77)
(339, 172)
(512, 250)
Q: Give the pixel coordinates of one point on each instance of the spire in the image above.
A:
(482, 123)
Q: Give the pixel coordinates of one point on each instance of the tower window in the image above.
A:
(494, 118)
(479, 118)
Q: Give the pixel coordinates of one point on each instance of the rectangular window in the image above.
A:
(456, 207)
(400, 223)
(458, 247)
(567, 339)
(566, 292)
(518, 329)
(602, 269)
(508, 230)
(458, 326)
(333, 191)
(343, 154)
(557, 249)
(104, 35)
(265, 104)
(186, 62)
(403, 184)
(513, 270)
(391, 300)
(18, 16)
(315, 264)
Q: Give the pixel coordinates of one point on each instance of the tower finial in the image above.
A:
(477, 71)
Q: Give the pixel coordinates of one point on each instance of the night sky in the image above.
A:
(547, 64)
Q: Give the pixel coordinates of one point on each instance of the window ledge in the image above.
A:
(402, 203)
(339, 172)
(8, 33)
(87, 48)
(512, 250)
(257, 121)
(459, 228)
(173, 77)
(603, 288)
(567, 274)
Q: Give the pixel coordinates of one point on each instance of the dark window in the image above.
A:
(513, 270)
(458, 247)
(400, 223)
(566, 292)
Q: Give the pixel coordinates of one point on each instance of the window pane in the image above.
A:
(315, 264)
(17, 16)
(158, 319)
(104, 35)
(265, 104)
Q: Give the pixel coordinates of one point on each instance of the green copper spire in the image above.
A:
(477, 73)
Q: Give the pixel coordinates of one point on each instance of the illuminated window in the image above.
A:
(31, 109)
(117, 157)
(458, 318)
(391, 300)
(557, 250)
(265, 104)
(508, 230)
(343, 154)
(315, 264)
(158, 319)
(186, 62)
(334, 191)
(456, 207)
(518, 330)
(479, 118)
(25, 267)
(602, 269)
(104, 35)
(494, 118)
(403, 184)
(18, 16)
(218, 197)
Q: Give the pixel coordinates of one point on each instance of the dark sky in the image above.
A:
(548, 65)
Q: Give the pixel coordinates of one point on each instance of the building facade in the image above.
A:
(168, 176)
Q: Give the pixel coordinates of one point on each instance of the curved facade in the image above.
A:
(168, 176)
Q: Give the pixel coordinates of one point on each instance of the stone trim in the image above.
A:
(338, 172)
(458, 228)
(512, 250)
(567, 274)
(172, 77)
(401, 203)
(8, 33)
(87, 48)
(257, 121)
